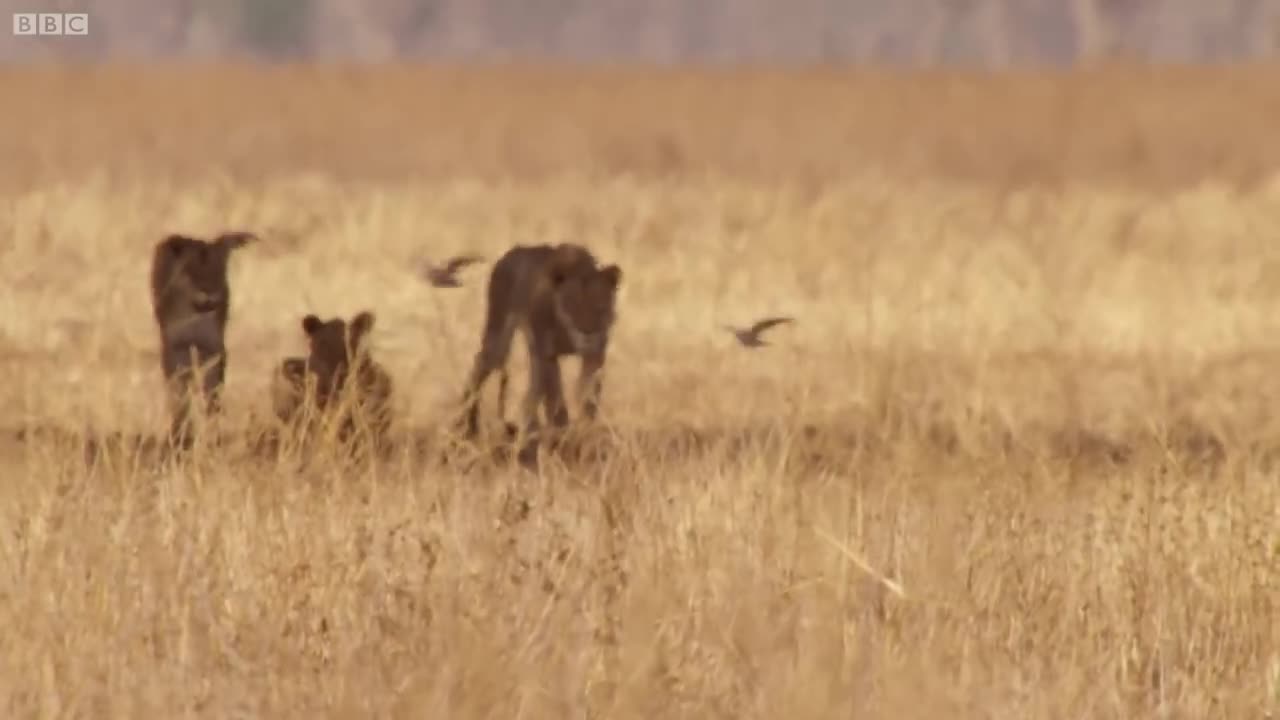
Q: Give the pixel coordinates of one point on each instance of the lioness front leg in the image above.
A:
(557, 408)
(186, 383)
(180, 424)
(529, 425)
(213, 381)
(591, 384)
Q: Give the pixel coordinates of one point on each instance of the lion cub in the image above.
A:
(338, 379)
(191, 301)
(563, 303)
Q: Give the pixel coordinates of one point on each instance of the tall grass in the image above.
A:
(1016, 459)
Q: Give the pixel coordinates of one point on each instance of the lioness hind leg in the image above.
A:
(471, 396)
(510, 430)
(492, 356)
(503, 378)
(529, 425)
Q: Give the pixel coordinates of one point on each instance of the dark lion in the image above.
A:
(191, 300)
(564, 304)
(338, 379)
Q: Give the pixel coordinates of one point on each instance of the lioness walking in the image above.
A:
(564, 304)
(191, 301)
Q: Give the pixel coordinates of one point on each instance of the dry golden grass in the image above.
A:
(1017, 459)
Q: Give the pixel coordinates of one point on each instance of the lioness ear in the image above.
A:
(567, 250)
(311, 324)
(361, 324)
(173, 243)
(563, 260)
(612, 274)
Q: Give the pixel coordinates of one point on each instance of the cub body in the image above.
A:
(338, 379)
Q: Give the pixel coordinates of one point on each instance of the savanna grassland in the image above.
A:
(1017, 458)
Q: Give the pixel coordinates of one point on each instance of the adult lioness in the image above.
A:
(191, 301)
(563, 303)
(339, 378)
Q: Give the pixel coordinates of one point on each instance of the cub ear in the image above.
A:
(361, 324)
(612, 274)
(311, 324)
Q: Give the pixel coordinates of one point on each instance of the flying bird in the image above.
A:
(750, 337)
(446, 276)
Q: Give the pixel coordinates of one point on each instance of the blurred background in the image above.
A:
(985, 33)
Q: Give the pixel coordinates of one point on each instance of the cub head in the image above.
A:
(288, 386)
(335, 344)
(584, 296)
(293, 370)
(195, 268)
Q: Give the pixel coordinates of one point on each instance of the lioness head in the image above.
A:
(583, 296)
(335, 345)
(196, 269)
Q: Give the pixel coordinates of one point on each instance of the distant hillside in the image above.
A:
(913, 32)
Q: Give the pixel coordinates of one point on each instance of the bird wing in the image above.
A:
(428, 269)
(425, 267)
(768, 323)
(461, 261)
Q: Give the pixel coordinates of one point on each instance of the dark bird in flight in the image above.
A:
(750, 337)
(446, 276)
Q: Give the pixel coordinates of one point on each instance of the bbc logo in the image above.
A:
(50, 23)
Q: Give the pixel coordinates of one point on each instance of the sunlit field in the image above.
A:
(1016, 458)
